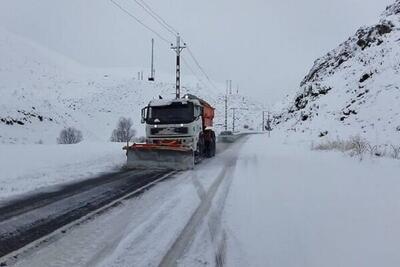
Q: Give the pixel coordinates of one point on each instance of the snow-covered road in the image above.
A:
(141, 231)
(261, 202)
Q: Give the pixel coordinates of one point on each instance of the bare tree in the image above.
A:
(70, 135)
(124, 131)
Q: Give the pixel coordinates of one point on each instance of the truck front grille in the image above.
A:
(182, 130)
(169, 131)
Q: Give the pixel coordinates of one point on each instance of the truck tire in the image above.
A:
(210, 144)
(214, 147)
(201, 147)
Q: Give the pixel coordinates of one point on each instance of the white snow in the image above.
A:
(42, 92)
(27, 168)
(140, 231)
(289, 206)
(279, 204)
(353, 89)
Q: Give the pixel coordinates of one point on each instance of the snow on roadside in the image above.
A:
(27, 168)
(290, 206)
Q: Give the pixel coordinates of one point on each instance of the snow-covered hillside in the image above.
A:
(42, 92)
(354, 89)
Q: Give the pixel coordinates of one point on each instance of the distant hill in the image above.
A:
(42, 92)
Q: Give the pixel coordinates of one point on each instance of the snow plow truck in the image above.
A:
(179, 133)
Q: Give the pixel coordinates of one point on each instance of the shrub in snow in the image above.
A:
(70, 135)
(124, 131)
(377, 150)
(359, 145)
(395, 152)
(372, 149)
(356, 145)
(339, 145)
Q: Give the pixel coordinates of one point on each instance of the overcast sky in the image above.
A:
(265, 46)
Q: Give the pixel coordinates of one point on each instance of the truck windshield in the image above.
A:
(171, 114)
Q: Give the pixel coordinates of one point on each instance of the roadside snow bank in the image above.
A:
(26, 168)
(290, 206)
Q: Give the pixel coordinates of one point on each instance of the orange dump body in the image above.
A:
(208, 114)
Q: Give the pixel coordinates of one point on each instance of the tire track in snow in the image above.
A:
(201, 192)
(187, 235)
(12, 256)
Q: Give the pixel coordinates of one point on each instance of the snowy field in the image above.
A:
(289, 206)
(262, 202)
(27, 168)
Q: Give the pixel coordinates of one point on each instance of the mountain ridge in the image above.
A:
(352, 90)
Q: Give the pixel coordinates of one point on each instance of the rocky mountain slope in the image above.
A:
(354, 89)
(43, 92)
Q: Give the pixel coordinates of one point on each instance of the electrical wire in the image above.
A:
(140, 22)
(171, 30)
(154, 17)
(193, 72)
(201, 68)
(159, 17)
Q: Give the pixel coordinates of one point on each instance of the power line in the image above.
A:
(201, 68)
(140, 22)
(157, 17)
(193, 72)
(170, 29)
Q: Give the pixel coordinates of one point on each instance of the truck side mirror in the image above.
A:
(144, 115)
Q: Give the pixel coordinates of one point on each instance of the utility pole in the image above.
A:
(178, 49)
(226, 112)
(233, 119)
(152, 72)
(263, 121)
(226, 105)
(267, 127)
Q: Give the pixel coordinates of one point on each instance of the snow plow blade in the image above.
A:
(148, 156)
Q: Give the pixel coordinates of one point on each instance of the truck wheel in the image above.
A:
(214, 147)
(209, 149)
(210, 145)
(200, 152)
